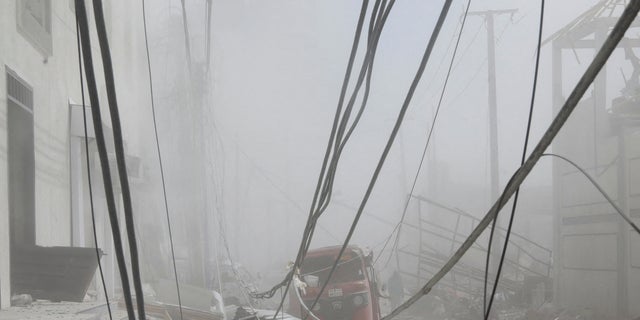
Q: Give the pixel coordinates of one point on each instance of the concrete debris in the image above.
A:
(243, 313)
(46, 310)
(171, 312)
(21, 300)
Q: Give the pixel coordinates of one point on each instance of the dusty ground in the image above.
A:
(59, 311)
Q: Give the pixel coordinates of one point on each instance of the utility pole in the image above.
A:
(493, 114)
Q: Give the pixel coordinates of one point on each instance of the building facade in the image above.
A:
(44, 197)
(596, 253)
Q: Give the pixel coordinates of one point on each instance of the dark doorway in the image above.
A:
(21, 161)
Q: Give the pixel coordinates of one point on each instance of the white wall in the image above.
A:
(6, 22)
(55, 81)
(51, 95)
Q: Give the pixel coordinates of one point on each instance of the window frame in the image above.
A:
(37, 34)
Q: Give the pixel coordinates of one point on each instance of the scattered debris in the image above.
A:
(46, 310)
(21, 300)
(172, 312)
(243, 313)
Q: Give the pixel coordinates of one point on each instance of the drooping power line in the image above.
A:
(81, 16)
(107, 66)
(487, 311)
(405, 105)
(612, 40)
(86, 144)
(398, 227)
(604, 194)
(162, 178)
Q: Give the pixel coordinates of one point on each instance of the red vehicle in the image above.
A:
(352, 292)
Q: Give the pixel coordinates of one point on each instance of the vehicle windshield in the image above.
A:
(315, 270)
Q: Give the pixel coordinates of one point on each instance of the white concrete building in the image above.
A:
(43, 189)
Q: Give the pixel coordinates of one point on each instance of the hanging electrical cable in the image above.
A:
(434, 79)
(308, 228)
(487, 309)
(209, 14)
(405, 105)
(81, 16)
(280, 189)
(162, 178)
(398, 226)
(119, 150)
(316, 211)
(86, 145)
(320, 186)
(494, 225)
(376, 23)
(610, 43)
(378, 17)
(187, 45)
(488, 257)
(382, 12)
(604, 194)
